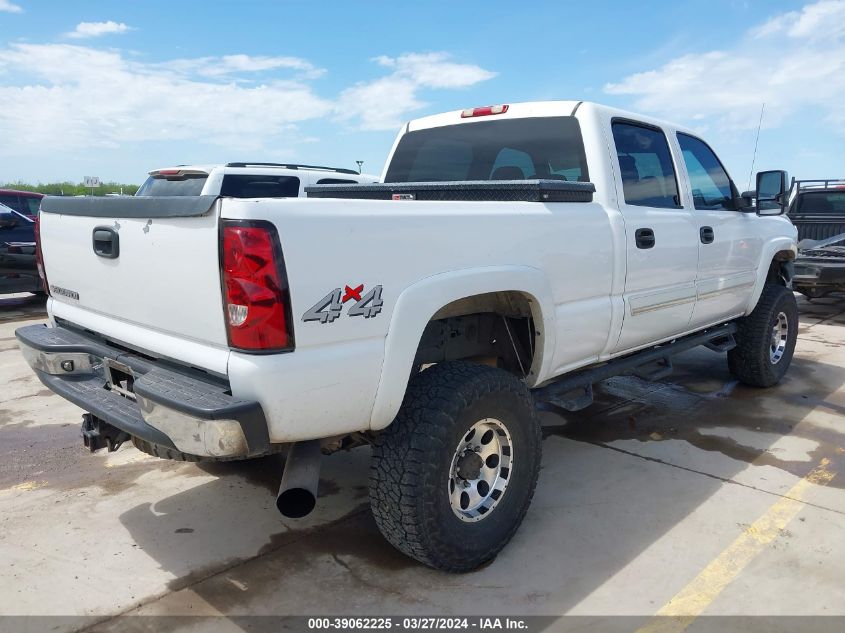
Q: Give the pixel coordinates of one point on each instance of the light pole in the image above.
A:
(360, 165)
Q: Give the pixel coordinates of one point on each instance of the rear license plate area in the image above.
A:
(119, 378)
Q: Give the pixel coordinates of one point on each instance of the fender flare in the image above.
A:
(418, 303)
(770, 249)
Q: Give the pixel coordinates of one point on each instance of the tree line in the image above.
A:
(71, 189)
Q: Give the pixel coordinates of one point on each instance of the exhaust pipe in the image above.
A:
(298, 491)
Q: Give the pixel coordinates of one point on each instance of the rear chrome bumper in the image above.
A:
(160, 403)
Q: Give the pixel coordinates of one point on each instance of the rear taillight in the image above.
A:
(255, 290)
(39, 256)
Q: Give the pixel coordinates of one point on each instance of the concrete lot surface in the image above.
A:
(691, 496)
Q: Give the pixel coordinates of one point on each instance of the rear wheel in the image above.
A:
(452, 477)
(766, 339)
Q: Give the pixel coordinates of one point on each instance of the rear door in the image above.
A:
(729, 247)
(661, 237)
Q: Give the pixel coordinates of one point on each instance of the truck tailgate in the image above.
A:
(164, 275)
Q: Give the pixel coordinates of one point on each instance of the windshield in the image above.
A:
(189, 185)
(822, 203)
(509, 149)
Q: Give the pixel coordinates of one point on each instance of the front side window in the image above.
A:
(711, 185)
(645, 164)
(507, 149)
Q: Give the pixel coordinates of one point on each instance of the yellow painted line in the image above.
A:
(677, 614)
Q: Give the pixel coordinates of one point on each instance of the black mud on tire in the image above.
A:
(750, 361)
(411, 462)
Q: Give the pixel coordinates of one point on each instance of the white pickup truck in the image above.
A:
(513, 256)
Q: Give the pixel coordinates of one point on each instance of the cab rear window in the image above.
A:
(188, 185)
(510, 149)
(822, 203)
(259, 186)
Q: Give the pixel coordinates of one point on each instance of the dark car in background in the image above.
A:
(26, 202)
(18, 270)
(817, 209)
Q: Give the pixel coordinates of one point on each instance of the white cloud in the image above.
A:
(822, 20)
(96, 29)
(384, 103)
(235, 64)
(67, 98)
(77, 97)
(8, 7)
(793, 61)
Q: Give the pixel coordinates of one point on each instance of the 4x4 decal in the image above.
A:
(329, 308)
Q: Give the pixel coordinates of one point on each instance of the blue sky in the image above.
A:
(116, 89)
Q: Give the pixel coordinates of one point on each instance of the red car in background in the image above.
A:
(26, 202)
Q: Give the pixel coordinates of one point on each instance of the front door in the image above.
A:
(729, 248)
(661, 238)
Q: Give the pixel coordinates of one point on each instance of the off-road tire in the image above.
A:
(412, 459)
(750, 360)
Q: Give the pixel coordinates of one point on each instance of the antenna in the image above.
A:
(757, 140)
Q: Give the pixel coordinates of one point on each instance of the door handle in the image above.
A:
(106, 242)
(644, 238)
(706, 234)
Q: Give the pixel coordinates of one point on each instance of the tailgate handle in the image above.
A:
(106, 242)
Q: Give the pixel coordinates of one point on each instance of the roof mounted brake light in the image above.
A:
(484, 111)
(168, 172)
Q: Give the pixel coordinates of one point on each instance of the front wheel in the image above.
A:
(766, 339)
(452, 477)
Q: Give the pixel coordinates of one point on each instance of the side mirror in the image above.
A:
(8, 220)
(771, 192)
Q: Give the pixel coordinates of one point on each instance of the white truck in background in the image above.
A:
(513, 256)
(245, 180)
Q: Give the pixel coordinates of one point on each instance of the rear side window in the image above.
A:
(258, 186)
(645, 163)
(190, 185)
(822, 203)
(508, 149)
(711, 185)
(11, 201)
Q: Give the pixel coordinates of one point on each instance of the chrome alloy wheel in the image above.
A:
(777, 345)
(480, 470)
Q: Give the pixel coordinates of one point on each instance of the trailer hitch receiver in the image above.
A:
(97, 434)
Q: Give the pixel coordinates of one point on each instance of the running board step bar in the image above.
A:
(574, 392)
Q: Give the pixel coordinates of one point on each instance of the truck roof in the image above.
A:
(531, 109)
(252, 167)
(18, 192)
